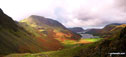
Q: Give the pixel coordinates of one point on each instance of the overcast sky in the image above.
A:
(71, 13)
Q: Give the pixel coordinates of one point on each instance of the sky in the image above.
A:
(71, 13)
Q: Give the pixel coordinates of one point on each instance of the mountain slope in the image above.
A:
(48, 26)
(107, 30)
(15, 39)
(101, 48)
(114, 44)
(12, 37)
(76, 29)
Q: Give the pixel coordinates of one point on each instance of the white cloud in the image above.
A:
(83, 13)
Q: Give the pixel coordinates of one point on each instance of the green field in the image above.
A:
(92, 39)
(71, 43)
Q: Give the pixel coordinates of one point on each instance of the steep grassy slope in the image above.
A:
(98, 49)
(73, 48)
(50, 28)
(48, 41)
(15, 39)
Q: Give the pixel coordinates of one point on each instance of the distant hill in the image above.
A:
(94, 31)
(116, 24)
(107, 30)
(76, 29)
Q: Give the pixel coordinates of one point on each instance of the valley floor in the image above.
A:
(72, 48)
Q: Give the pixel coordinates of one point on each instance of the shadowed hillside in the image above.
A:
(14, 38)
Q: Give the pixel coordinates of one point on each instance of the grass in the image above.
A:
(71, 43)
(71, 49)
(60, 53)
(92, 39)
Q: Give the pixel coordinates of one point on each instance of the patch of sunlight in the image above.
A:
(41, 30)
(24, 20)
(33, 25)
(92, 39)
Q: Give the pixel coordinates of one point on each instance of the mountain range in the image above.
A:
(36, 34)
(107, 30)
(33, 34)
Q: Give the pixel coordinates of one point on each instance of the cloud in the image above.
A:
(99, 14)
(71, 13)
(121, 4)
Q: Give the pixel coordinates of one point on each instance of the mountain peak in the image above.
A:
(35, 16)
(1, 11)
(40, 20)
(6, 21)
(76, 29)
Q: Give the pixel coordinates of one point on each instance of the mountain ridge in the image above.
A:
(44, 24)
(48, 21)
(76, 29)
(107, 30)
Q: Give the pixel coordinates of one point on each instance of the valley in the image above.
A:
(71, 49)
(38, 36)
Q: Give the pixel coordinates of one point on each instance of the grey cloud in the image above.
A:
(121, 4)
(111, 15)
